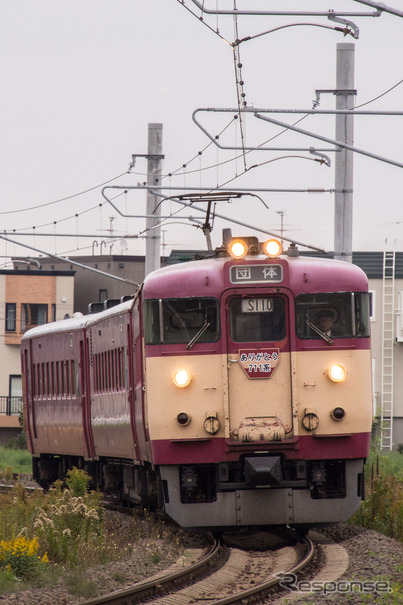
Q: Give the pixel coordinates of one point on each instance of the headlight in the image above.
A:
(238, 249)
(181, 378)
(272, 248)
(337, 372)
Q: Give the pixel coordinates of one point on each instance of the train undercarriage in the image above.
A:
(255, 490)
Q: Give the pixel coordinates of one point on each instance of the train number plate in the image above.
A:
(259, 363)
(257, 305)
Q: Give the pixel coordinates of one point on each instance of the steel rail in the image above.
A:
(238, 597)
(151, 587)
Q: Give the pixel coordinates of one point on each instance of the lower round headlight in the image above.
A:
(337, 372)
(181, 378)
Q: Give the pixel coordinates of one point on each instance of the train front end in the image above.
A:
(257, 414)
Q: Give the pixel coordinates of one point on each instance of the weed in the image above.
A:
(18, 460)
(383, 508)
(7, 580)
(120, 577)
(155, 557)
(20, 556)
(78, 584)
(77, 481)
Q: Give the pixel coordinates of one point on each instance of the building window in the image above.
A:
(14, 399)
(103, 295)
(11, 316)
(33, 315)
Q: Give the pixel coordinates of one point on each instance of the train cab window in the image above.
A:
(257, 319)
(181, 320)
(333, 315)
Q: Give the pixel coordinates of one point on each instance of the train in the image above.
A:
(231, 391)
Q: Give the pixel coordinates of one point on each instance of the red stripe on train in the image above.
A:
(214, 450)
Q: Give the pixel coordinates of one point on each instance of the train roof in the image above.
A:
(209, 277)
(77, 322)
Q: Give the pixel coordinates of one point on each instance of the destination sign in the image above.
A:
(257, 305)
(256, 274)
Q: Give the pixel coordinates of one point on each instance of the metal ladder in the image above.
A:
(388, 314)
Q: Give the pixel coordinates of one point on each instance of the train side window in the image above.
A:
(57, 372)
(179, 320)
(34, 381)
(338, 315)
(63, 376)
(40, 379)
(44, 382)
(152, 321)
(48, 381)
(74, 377)
(257, 319)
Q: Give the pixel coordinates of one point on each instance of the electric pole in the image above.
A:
(154, 168)
(343, 202)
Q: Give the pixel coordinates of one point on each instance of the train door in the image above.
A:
(81, 379)
(259, 366)
(139, 413)
(27, 396)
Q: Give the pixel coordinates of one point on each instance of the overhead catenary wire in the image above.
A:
(239, 84)
(70, 261)
(177, 171)
(200, 18)
(64, 199)
(67, 218)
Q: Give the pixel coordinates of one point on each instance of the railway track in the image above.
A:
(243, 575)
(151, 588)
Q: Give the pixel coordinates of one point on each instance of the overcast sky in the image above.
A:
(82, 80)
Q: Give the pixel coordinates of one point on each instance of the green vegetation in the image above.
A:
(14, 461)
(62, 525)
(45, 537)
(383, 508)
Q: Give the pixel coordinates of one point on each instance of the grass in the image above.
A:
(382, 509)
(14, 461)
(58, 535)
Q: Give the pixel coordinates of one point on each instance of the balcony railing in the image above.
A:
(10, 406)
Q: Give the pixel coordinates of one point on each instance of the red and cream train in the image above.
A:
(216, 393)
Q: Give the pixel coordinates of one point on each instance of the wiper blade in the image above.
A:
(319, 332)
(196, 337)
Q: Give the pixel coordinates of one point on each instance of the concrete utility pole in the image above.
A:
(154, 167)
(343, 203)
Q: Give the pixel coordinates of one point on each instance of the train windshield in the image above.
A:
(333, 315)
(181, 320)
(257, 319)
